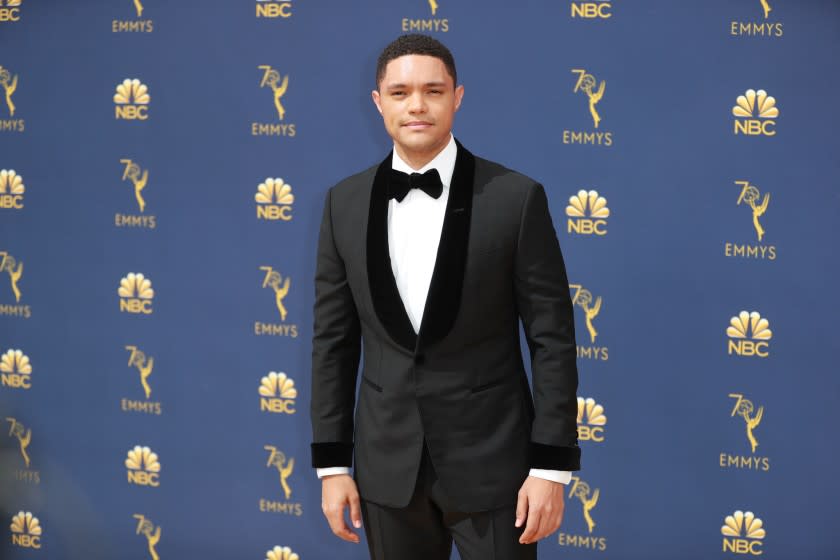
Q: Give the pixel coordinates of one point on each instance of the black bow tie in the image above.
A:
(400, 183)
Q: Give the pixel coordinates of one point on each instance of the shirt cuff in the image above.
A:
(563, 477)
(329, 471)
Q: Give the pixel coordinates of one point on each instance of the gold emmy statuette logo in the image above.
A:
(143, 467)
(15, 370)
(11, 10)
(583, 299)
(26, 530)
(138, 5)
(590, 420)
(766, 7)
(11, 189)
(587, 497)
(23, 435)
(752, 418)
(271, 78)
(146, 528)
(138, 178)
(588, 213)
(592, 9)
(750, 195)
(743, 533)
(9, 84)
(427, 24)
(15, 270)
(275, 281)
(133, 25)
(144, 365)
(277, 459)
(274, 200)
(749, 335)
(281, 553)
(136, 294)
(434, 6)
(277, 393)
(274, 9)
(755, 111)
(132, 100)
(586, 83)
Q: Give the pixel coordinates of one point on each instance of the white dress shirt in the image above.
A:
(414, 228)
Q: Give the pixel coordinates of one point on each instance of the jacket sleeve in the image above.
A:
(545, 306)
(336, 348)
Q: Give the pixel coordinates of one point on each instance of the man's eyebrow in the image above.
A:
(403, 86)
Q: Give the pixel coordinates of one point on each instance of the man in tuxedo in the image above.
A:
(428, 261)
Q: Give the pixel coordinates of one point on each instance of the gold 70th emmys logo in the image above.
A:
(275, 281)
(9, 83)
(139, 178)
(146, 528)
(144, 365)
(752, 418)
(588, 499)
(26, 530)
(587, 83)
(271, 79)
(15, 270)
(277, 459)
(583, 299)
(750, 195)
(15, 370)
(23, 435)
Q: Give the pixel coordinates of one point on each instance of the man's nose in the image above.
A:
(416, 103)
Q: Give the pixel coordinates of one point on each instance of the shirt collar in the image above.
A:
(444, 162)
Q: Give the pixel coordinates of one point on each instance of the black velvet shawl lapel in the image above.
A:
(444, 295)
(383, 286)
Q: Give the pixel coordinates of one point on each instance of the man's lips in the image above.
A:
(417, 125)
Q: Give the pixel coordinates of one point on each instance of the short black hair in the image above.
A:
(415, 43)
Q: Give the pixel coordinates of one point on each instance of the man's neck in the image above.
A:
(416, 160)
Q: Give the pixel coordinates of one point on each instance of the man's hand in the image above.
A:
(541, 503)
(338, 491)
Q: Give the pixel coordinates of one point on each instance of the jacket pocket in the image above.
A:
(373, 385)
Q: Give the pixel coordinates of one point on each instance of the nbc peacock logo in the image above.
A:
(143, 466)
(11, 189)
(281, 553)
(15, 370)
(274, 200)
(26, 530)
(274, 9)
(755, 113)
(749, 335)
(277, 393)
(136, 294)
(132, 100)
(591, 420)
(9, 10)
(588, 213)
(743, 533)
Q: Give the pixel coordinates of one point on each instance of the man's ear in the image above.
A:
(375, 96)
(459, 95)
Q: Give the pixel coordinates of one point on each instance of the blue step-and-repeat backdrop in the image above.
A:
(163, 167)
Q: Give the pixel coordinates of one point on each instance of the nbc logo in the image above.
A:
(743, 533)
(11, 189)
(277, 393)
(425, 25)
(132, 100)
(281, 553)
(274, 9)
(594, 9)
(15, 370)
(588, 213)
(146, 528)
(274, 200)
(755, 111)
(143, 467)
(590, 420)
(136, 294)
(10, 10)
(26, 530)
(749, 335)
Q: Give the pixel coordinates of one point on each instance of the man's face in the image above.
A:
(417, 99)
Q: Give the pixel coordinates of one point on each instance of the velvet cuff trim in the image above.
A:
(554, 457)
(332, 454)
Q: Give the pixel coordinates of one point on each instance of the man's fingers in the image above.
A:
(355, 511)
(532, 527)
(521, 509)
(335, 517)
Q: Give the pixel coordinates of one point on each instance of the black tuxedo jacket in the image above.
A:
(459, 384)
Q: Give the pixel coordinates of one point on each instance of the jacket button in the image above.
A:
(419, 359)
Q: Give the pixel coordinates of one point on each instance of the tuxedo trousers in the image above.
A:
(427, 526)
